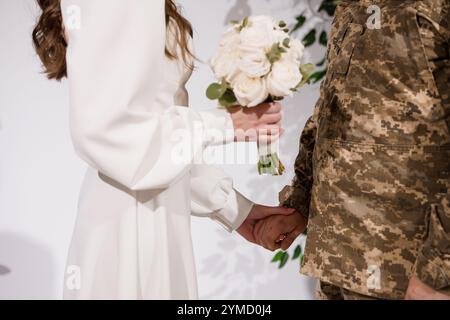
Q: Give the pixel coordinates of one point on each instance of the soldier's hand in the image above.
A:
(279, 232)
(417, 290)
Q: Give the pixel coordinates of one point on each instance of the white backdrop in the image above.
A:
(40, 175)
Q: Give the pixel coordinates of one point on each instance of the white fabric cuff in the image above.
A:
(234, 213)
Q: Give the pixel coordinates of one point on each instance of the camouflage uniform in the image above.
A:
(373, 171)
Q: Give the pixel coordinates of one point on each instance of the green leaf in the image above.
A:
(305, 233)
(284, 260)
(228, 99)
(310, 38)
(224, 85)
(323, 39)
(278, 256)
(244, 24)
(273, 99)
(317, 76)
(306, 69)
(300, 22)
(282, 257)
(297, 252)
(275, 53)
(215, 91)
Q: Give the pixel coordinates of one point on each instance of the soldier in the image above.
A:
(373, 171)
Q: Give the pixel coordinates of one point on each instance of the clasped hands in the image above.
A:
(273, 227)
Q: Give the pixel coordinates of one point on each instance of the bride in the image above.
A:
(127, 64)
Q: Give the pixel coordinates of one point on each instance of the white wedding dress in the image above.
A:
(132, 238)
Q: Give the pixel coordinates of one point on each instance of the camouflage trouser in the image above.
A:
(326, 291)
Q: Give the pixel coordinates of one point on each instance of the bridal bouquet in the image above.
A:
(257, 61)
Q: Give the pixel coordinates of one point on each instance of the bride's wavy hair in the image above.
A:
(51, 45)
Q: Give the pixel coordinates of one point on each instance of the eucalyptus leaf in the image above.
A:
(224, 84)
(244, 24)
(215, 91)
(306, 69)
(228, 99)
(275, 53)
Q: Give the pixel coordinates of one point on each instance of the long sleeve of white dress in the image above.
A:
(119, 125)
(212, 197)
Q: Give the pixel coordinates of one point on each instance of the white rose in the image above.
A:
(225, 64)
(258, 34)
(250, 91)
(230, 39)
(296, 49)
(284, 77)
(279, 35)
(255, 63)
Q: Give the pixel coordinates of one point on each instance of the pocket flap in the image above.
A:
(343, 48)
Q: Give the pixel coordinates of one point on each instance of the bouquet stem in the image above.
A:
(270, 165)
(269, 161)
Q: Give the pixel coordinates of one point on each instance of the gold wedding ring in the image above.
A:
(281, 238)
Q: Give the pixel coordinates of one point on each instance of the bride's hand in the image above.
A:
(261, 123)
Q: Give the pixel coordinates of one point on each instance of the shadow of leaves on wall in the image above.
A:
(27, 268)
(239, 11)
(4, 270)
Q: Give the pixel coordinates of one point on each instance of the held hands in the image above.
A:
(272, 227)
(262, 122)
(279, 232)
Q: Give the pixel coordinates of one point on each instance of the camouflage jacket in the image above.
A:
(373, 171)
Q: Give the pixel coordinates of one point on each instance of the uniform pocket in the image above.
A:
(425, 36)
(342, 47)
(437, 55)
